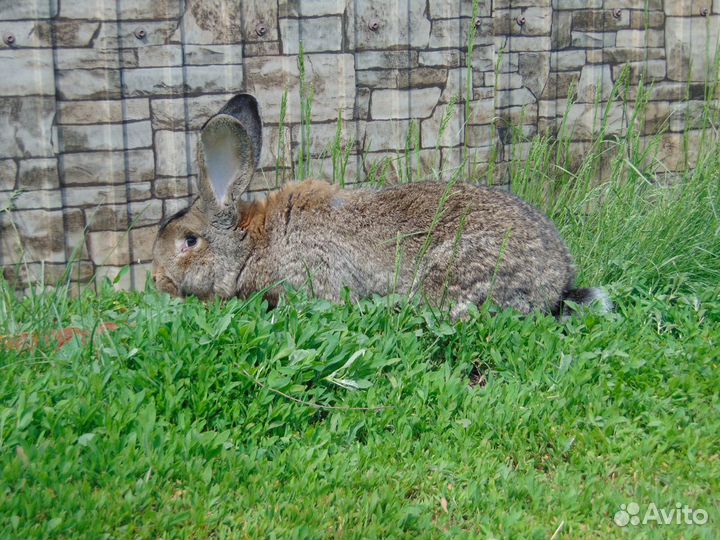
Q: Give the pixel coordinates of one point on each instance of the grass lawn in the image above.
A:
(383, 418)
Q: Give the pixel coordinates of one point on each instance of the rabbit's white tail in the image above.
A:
(594, 295)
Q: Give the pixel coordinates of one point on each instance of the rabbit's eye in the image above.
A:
(191, 241)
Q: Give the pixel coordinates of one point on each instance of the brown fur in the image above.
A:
(312, 193)
(481, 243)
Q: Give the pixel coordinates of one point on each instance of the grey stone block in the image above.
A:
(213, 54)
(310, 8)
(577, 4)
(86, 58)
(450, 33)
(386, 59)
(534, 68)
(108, 217)
(617, 55)
(122, 34)
(384, 135)
(158, 55)
(584, 121)
(686, 8)
(595, 83)
(593, 40)
(640, 38)
(93, 168)
(89, 84)
(95, 195)
(411, 103)
(272, 150)
(687, 42)
(28, 9)
(47, 199)
(141, 241)
(44, 33)
(174, 153)
(105, 136)
(323, 34)
(227, 22)
(567, 60)
(332, 77)
(600, 20)
(38, 173)
(538, 21)
(32, 235)
(452, 9)
(177, 80)
(145, 212)
(27, 72)
(402, 22)
(172, 187)
(515, 98)
(650, 71)
(446, 58)
(8, 174)
(647, 19)
(170, 206)
(109, 248)
(102, 111)
(26, 126)
(176, 113)
(453, 132)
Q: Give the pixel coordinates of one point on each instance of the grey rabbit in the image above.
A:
(459, 244)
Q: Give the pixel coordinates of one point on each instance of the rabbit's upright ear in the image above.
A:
(228, 153)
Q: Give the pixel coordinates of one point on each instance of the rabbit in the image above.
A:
(454, 244)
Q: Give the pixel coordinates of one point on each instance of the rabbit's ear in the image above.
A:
(228, 153)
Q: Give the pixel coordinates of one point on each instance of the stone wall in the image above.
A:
(101, 100)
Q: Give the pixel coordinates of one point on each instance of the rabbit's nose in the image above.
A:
(157, 272)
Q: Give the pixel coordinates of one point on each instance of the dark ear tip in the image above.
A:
(242, 102)
(244, 98)
(245, 95)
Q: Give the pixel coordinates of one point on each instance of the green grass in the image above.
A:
(174, 425)
(382, 418)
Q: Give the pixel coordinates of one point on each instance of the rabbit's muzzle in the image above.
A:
(164, 283)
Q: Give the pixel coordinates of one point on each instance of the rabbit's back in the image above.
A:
(461, 244)
(483, 242)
